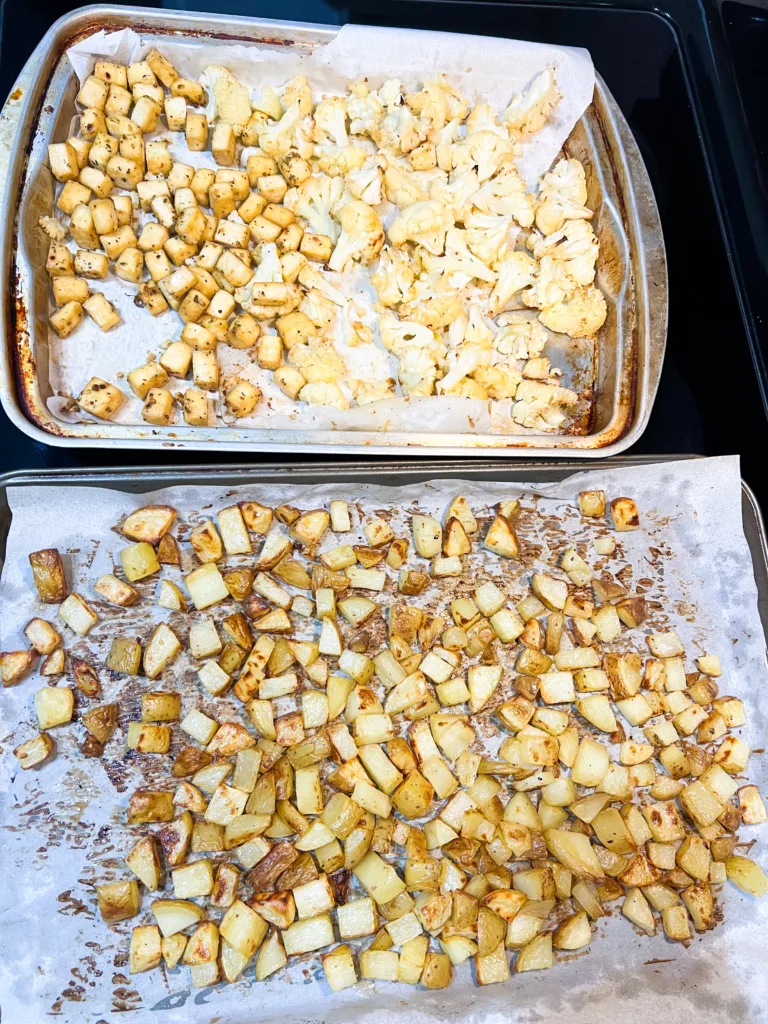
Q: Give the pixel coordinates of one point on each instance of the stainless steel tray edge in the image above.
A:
(21, 114)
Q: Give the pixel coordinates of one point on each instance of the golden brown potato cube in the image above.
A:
(316, 247)
(592, 503)
(124, 656)
(14, 665)
(162, 68)
(69, 289)
(158, 407)
(243, 332)
(118, 900)
(140, 73)
(234, 236)
(288, 241)
(153, 237)
(102, 148)
(130, 265)
(48, 574)
(60, 262)
(624, 514)
(176, 113)
(143, 379)
(222, 143)
(101, 721)
(100, 398)
(104, 217)
(97, 181)
(196, 132)
(82, 229)
(221, 199)
(189, 90)
(177, 359)
(36, 751)
(251, 207)
(289, 381)
(63, 160)
(124, 210)
(233, 270)
(92, 265)
(273, 187)
(278, 214)
(148, 805)
(205, 370)
(160, 707)
(146, 113)
(110, 73)
(43, 637)
(295, 329)
(151, 298)
(124, 172)
(269, 352)
(92, 123)
(294, 169)
(148, 738)
(263, 230)
(67, 318)
(93, 93)
(190, 225)
(195, 407)
(242, 397)
(192, 306)
(73, 194)
(145, 949)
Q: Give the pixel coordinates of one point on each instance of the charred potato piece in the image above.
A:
(48, 574)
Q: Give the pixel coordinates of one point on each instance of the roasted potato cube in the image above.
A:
(124, 656)
(289, 381)
(223, 143)
(101, 311)
(158, 407)
(196, 132)
(48, 574)
(63, 160)
(67, 318)
(162, 648)
(35, 752)
(43, 637)
(624, 514)
(118, 900)
(242, 397)
(316, 247)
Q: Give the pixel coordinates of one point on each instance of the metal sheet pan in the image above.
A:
(626, 367)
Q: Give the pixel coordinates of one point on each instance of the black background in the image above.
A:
(692, 80)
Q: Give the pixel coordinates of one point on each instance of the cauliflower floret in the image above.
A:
(539, 369)
(261, 311)
(479, 330)
(519, 336)
(418, 371)
(486, 151)
(365, 183)
(331, 121)
(539, 405)
(297, 90)
(529, 110)
(53, 228)
(437, 103)
(488, 235)
(269, 268)
(324, 394)
(483, 119)
(402, 186)
(394, 277)
(339, 160)
(268, 102)
(424, 222)
(500, 381)
(364, 109)
(390, 95)
(575, 245)
(317, 363)
(320, 310)
(456, 195)
(231, 102)
(562, 195)
(434, 311)
(552, 284)
(367, 391)
(399, 131)
(506, 194)
(469, 388)
(361, 238)
(398, 336)
(463, 361)
(579, 316)
(458, 259)
(315, 200)
(276, 139)
(516, 271)
(303, 134)
(311, 277)
(443, 142)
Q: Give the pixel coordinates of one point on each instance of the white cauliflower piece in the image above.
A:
(432, 307)
(506, 194)
(393, 279)
(469, 387)
(229, 97)
(501, 380)
(443, 141)
(540, 406)
(269, 268)
(276, 139)
(53, 228)
(331, 121)
(488, 234)
(483, 119)
(456, 195)
(368, 391)
(340, 160)
(486, 151)
(418, 371)
(303, 134)
(315, 200)
(529, 110)
(574, 245)
(312, 277)
(424, 222)
(516, 271)
(364, 109)
(479, 330)
(324, 394)
(317, 363)
(399, 131)
(539, 369)
(562, 195)
(401, 186)
(390, 95)
(437, 103)
(365, 183)
(581, 315)
(398, 336)
(552, 284)
(320, 310)
(268, 102)
(297, 90)
(520, 337)
(361, 238)
(463, 361)
(458, 259)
